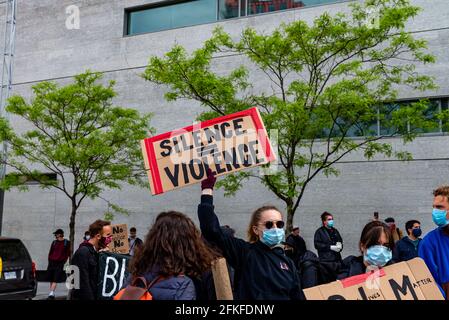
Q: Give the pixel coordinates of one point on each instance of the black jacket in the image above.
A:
(261, 273)
(323, 242)
(299, 246)
(353, 266)
(86, 259)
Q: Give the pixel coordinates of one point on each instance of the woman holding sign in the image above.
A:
(262, 270)
(376, 244)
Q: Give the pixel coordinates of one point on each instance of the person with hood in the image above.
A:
(434, 248)
(172, 260)
(86, 259)
(407, 248)
(376, 244)
(262, 270)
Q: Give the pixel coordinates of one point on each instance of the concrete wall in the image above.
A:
(45, 49)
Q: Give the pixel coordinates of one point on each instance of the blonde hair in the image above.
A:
(255, 219)
(442, 191)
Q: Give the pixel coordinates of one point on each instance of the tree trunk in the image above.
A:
(290, 215)
(72, 230)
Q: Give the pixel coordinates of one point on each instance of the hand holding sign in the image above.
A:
(209, 182)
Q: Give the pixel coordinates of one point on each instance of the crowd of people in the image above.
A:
(175, 259)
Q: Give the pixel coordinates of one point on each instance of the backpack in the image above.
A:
(135, 292)
(66, 243)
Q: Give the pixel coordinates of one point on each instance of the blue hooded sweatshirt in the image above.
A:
(434, 250)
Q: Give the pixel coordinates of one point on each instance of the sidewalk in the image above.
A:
(43, 288)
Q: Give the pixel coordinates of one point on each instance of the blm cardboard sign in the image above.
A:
(226, 144)
(113, 270)
(120, 243)
(409, 280)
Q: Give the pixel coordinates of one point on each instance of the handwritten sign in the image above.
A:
(226, 144)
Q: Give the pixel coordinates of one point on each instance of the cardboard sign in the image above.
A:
(120, 243)
(222, 282)
(226, 144)
(410, 280)
(113, 270)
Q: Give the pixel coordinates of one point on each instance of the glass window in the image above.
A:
(430, 114)
(188, 13)
(262, 6)
(364, 129)
(229, 9)
(385, 118)
(172, 16)
(13, 251)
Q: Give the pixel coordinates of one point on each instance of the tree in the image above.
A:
(325, 82)
(79, 136)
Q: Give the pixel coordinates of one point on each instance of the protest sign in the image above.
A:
(222, 282)
(120, 243)
(113, 270)
(226, 144)
(410, 280)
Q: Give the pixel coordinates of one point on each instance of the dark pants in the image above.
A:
(55, 272)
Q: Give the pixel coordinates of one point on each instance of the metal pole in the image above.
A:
(6, 85)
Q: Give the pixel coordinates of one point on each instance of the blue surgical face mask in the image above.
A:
(417, 232)
(378, 256)
(273, 236)
(439, 217)
(330, 223)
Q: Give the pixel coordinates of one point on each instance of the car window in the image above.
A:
(13, 251)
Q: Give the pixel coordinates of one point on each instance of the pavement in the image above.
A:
(43, 288)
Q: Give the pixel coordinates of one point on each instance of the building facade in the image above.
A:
(117, 37)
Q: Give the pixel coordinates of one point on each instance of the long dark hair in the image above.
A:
(372, 232)
(173, 246)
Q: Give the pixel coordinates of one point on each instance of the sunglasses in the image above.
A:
(269, 224)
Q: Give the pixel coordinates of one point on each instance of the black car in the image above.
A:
(18, 271)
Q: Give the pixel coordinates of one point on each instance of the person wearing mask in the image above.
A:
(86, 238)
(329, 243)
(86, 259)
(172, 262)
(396, 232)
(135, 243)
(262, 270)
(58, 255)
(407, 248)
(434, 248)
(376, 243)
(297, 245)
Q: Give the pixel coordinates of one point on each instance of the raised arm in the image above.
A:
(233, 249)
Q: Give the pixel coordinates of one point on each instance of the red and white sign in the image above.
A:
(226, 144)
